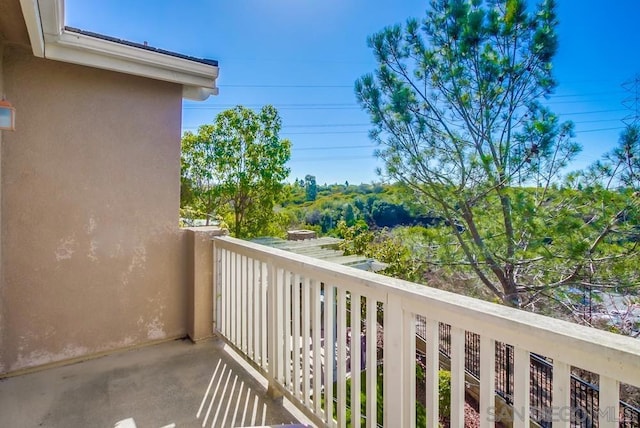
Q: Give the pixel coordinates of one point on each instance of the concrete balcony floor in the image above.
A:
(170, 384)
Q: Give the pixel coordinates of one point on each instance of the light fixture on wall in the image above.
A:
(7, 116)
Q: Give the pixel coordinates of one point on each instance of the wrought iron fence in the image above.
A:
(584, 395)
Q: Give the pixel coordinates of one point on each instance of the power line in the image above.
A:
(598, 130)
(334, 85)
(322, 125)
(586, 94)
(592, 112)
(338, 106)
(332, 159)
(597, 121)
(352, 125)
(366, 132)
(369, 146)
(325, 132)
(286, 86)
(328, 125)
(274, 104)
(280, 107)
(349, 125)
(559, 102)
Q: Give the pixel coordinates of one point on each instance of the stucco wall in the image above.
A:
(2, 322)
(92, 255)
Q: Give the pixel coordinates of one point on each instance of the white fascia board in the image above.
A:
(51, 18)
(86, 50)
(31, 14)
(49, 39)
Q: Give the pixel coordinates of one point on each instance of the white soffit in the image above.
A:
(50, 39)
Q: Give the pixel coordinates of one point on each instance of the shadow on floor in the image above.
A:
(202, 385)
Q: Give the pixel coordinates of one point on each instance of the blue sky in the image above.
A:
(303, 56)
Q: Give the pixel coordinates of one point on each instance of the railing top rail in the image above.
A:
(603, 352)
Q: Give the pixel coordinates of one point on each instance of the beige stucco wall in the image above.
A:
(92, 257)
(2, 322)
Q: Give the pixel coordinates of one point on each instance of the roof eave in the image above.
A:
(50, 39)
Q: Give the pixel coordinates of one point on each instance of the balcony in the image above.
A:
(294, 319)
(172, 384)
(286, 326)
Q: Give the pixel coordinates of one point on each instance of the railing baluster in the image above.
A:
(221, 290)
(316, 326)
(521, 387)
(457, 376)
(432, 369)
(272, 321)
(372, 362)
(233, 286)
(306, 343)
(243, 303)
(329, 352)
(409, 372)
(265, 285)
(224, 281)
(281, 332)
(257, 307)
(287, 278)
(230, 290)
(395, 361)
(487, 381)
(296, 342)
(355, 360)
(560, 408)
(608, 403)
(239, 287)
(257, 294)
(341, 360)
(251, 312)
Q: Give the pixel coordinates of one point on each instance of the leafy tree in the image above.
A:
(387, 214)
(311, 188)
(614, 183)
(621, 167)
(238, 166)
(382, 246)
(327, 220)
(313, 217)
(348, 214)
(198, 194)
(455, 107)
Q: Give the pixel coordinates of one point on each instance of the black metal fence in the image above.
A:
(584, 395)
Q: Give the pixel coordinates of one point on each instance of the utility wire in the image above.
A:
(348, 125)
(343, 106)
(325, 132)
(302, 149)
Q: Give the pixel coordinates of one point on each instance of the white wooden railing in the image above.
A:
(275, 308)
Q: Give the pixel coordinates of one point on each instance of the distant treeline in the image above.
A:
(377, 205)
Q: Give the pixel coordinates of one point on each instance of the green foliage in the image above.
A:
(379, 205)
(363, 399)
(454, 105)
(444, 387)
(444, 401)
(198, 194)
(621, 167)
(311, 188)
(381, 245)
(236, 167)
